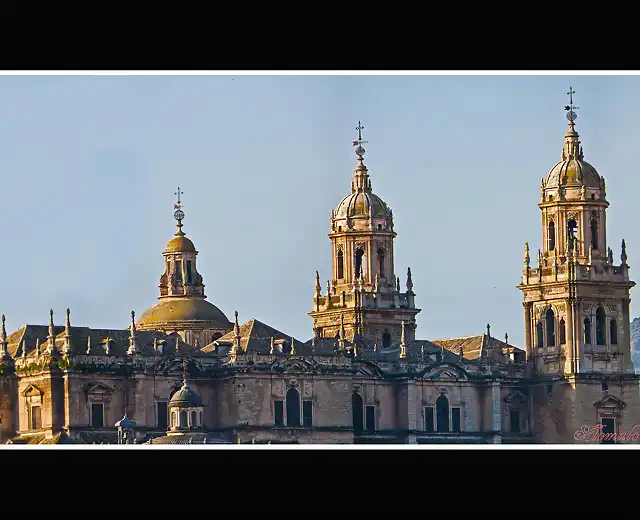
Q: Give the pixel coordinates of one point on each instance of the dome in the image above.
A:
(184, 309)
(180, 244)
(362, 204)
(185, 397)
(574, 172)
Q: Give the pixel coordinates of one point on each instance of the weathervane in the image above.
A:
(571, 108)
(360, 151)
(178, 214)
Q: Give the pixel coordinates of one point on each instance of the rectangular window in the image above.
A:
(455, 419)
(307, 413)
(428, 418)
(370, 418)
(278, 413)
(608, 430)
(163, 415)
(97, 415)
(36, 418)
(514, 421)
(188, 271)
(179, 271)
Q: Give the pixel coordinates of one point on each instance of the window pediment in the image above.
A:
(611, 402)
(32, 391)
(516, 397)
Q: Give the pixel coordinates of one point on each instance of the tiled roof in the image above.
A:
(190, 438)
(473, 346)
(79, 340)
(255, 338)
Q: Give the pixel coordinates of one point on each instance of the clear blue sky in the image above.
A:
(89, 167)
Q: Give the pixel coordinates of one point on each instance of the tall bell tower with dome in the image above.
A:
(363, 294)
(577, 298)
(183, 307)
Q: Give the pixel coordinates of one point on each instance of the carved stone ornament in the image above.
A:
(360, 245)
(292, 383)
(572, 216)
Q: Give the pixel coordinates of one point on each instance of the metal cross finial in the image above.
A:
(178, 205)
(359, 128)
(571, 108)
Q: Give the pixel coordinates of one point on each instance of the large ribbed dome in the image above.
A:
(183, 309)
(362, 204)
(572, 170)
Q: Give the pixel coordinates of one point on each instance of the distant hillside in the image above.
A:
(635, 343)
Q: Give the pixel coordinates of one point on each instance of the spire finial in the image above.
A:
(184, 372)
(52, 333)
(506, 338)
(318, 286)
(403, 343)
(409, 280)
(623, 256)
(88, 345)
(527, 258)
(3, 331)
(178, 214)
(488, 330)
(293, 347)
(132, 335)
(67, 333)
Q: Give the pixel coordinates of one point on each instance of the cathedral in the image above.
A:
(184, 372)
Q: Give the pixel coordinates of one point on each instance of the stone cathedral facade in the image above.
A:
(184, 372)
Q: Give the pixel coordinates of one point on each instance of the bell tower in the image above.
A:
(363, 294)
(576, 300)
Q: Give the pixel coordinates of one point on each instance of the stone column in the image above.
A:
(527, 330)
(414, 403)
(496, 412)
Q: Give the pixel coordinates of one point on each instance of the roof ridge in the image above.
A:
(459, 337)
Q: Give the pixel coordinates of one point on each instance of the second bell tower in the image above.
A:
(363, 294)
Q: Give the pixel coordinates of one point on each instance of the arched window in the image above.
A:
(183, 419)
(173, 419)
(442, 414)
(359, 255)
(613, 332)
(194, 419)
(587, 331)
(594, 233)
(340, 265)
(551, 236)
(293, 407)
(600, 323)
(386, 339)
(562, 332)
(572, 233)
(200, 418)
(358, 412)
(551, 328)
(539, 335)
(381, 262)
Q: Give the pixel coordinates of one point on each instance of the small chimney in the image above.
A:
(488, 330)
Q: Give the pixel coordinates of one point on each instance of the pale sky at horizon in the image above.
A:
(89, 166)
